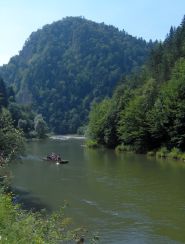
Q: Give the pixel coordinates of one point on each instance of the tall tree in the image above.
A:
(3, 94)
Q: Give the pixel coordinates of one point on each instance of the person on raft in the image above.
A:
(54, 157)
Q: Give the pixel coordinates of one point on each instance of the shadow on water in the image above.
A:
(27, 201)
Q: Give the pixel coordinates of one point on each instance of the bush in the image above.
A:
(182, 156)
(32, 134)
(19, 226)
(91, 144)
(40, 126)
(162, 152)
(175, 153)
(11, 139)
(81, 130)
(123, 148)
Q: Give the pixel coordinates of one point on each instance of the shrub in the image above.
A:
(91, 144)
(175, 153)
(162, 152)
(11, 139)
(182, 156)
(123, 148)
(19, 226)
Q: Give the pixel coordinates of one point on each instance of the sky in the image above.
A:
(149, 19)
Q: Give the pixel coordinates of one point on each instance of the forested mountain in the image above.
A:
(67, 66)
(147, 111)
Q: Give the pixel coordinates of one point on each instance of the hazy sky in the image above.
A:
(150, 19)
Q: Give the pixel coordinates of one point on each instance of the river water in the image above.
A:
(126, 198)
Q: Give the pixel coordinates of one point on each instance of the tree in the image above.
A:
(97, 120)
(152, 111)
(11, 139)
(3, 94)
(134, 125)
(40, 126)
(22, 124)
(168, 115)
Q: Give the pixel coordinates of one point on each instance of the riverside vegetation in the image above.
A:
(147, 111)
(19, 226)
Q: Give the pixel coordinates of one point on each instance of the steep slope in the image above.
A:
(65, 67)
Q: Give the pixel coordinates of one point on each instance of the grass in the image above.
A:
(174, 153)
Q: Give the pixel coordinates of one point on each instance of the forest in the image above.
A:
(147, 110)
(66, 67)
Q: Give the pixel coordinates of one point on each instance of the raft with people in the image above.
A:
(55, 158)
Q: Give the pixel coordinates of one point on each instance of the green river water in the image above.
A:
(126, 198)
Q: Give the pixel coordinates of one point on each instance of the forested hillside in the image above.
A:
(67, 66)
(147, 111)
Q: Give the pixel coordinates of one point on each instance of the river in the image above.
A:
(126, 198)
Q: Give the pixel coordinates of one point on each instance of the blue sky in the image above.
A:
(150, 19)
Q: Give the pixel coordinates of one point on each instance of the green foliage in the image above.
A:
(11, 139)
(168, 114)
(22, 124)
(152, 111)
(3, 94)
(67, 66)
(175, 153)
(18, 226)
(123, 148)
(164, 57)
(32, 124)
(40, 126)
(104, 117)
(182, 156)
(91, 144)
(98, 116)
(162, 152)
(133, 125)
(82, 130)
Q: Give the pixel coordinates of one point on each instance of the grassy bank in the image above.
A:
(163, 152)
